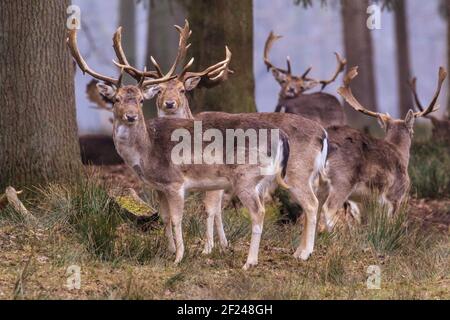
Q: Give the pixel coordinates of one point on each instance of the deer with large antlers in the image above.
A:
(148, 148)
(441, 127)
(321, 107)
(308, 140)
(360, 164)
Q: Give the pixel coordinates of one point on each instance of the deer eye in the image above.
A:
(183, 91)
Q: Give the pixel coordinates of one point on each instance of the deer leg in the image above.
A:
(306, 198)
(175, 203)
(335, 201)
(253, 204)
(165, 217)
(213, 202)
(218, 221)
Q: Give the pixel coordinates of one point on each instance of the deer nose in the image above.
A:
(131, 118)
(170, 104)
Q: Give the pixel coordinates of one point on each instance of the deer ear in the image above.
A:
(106, 90)
(151, 91)
(191, 83)
(279, 76)
(409, 119)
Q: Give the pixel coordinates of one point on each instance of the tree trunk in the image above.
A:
(38, 130)
(359, 52)
(162, 38)
(447, 2)
(403, 61)
(214, 25)
(127, 19)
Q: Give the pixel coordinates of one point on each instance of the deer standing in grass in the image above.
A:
(358, 164)
(308, 140)
(319, 106)
(148, 148)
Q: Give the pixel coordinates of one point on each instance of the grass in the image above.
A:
(429, 169)
(81, 225)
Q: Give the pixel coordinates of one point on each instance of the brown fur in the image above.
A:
(146, 147)
(321, 107)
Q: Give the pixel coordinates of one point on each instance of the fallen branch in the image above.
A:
(10, 197)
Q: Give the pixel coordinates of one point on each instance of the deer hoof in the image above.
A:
(249, 265)
(302, 254)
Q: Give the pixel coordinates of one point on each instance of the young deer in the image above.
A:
(360, 164)
(321, 107)
(441, 127)
(308, 140)
(148, 148)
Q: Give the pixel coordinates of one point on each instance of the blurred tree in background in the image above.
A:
(359, 52)
(127, 19)
(38, 130)
(227, 22)
(403, 56)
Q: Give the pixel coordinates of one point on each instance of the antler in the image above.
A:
(72, 43)
(347, 94)
(183, 46)
(211, 75)
(341, 65)
(432, 106)
(73, 46)
(269, 43)
(120, 53)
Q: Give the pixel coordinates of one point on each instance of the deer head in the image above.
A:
(127, 100)
(171, 95)
(398, 131)
(292, 86)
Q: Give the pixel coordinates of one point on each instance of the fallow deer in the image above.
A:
(308, 140)
(147, 147)
(441, 127)
(319, 106)
(360, 164)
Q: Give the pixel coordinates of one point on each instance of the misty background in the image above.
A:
(310, 36)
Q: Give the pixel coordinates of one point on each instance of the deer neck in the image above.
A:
(132, 142)
(402, 142)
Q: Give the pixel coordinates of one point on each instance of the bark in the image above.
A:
(127, 19)
(403, 58)
(447, 3)
(38, 130)
(359, 52)
(214, 25)
(162, 39)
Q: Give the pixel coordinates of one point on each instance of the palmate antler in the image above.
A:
(432, 106)
(347, 94)
(73, 46)
(270, 66)
(209, 77)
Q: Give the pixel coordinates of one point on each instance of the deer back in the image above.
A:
(321, 107)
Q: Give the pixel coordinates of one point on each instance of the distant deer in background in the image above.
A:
(360, 164)
(308, 140)
(441, 127)
(321, 107)
(147, 148)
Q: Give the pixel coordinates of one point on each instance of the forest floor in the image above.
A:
(119, 259)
